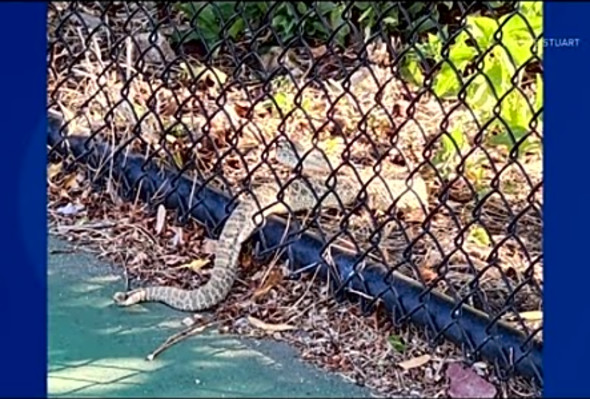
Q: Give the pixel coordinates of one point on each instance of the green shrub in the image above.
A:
(487, 61)
(315, 21)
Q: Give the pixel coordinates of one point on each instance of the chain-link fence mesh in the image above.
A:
(421, 123)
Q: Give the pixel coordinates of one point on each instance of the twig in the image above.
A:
(87, 226)
(180, 336)
(61, 251)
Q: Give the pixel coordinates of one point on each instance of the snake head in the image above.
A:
(129, 298)
(292, 154)
(119, 298)
(287, 152)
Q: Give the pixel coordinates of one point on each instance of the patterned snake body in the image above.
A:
(298, 195)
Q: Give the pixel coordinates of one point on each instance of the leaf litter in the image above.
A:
(331, 335)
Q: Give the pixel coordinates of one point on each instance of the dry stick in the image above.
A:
(87, 226)
(180, 336)
(61, 251)
(62, 230)
(278, 254)
(296, 304)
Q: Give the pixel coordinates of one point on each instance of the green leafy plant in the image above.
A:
(480, 236)
(492, 74)
(452, 145)
(313, 20)
(397, 343)
(370, 13)
(209, 20)
(284, 98)
(410, 62)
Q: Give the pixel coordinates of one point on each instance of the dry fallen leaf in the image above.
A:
(170, 138)
(318, 51)
(70, 209)
(53, 170)
(269, 327)
(428, 275)
(465, 383)
(273, 279)
(160, 218)
(196, 264)
(534, 315)
(177, 239)
(204, 73)
(71, 182)
(414, 362)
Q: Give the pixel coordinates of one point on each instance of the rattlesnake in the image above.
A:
(298, 195)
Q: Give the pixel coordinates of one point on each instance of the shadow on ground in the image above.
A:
(97, 349)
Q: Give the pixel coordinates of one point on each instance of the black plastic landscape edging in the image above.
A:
(439, 314)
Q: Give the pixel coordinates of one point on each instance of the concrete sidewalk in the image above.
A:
(98, 349)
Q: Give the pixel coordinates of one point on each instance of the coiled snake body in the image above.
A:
(298, 195)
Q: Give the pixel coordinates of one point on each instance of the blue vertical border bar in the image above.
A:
(23, 292)
(567, 205)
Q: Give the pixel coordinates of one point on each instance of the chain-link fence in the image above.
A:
(411, 177)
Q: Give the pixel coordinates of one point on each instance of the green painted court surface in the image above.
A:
(97, 349)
